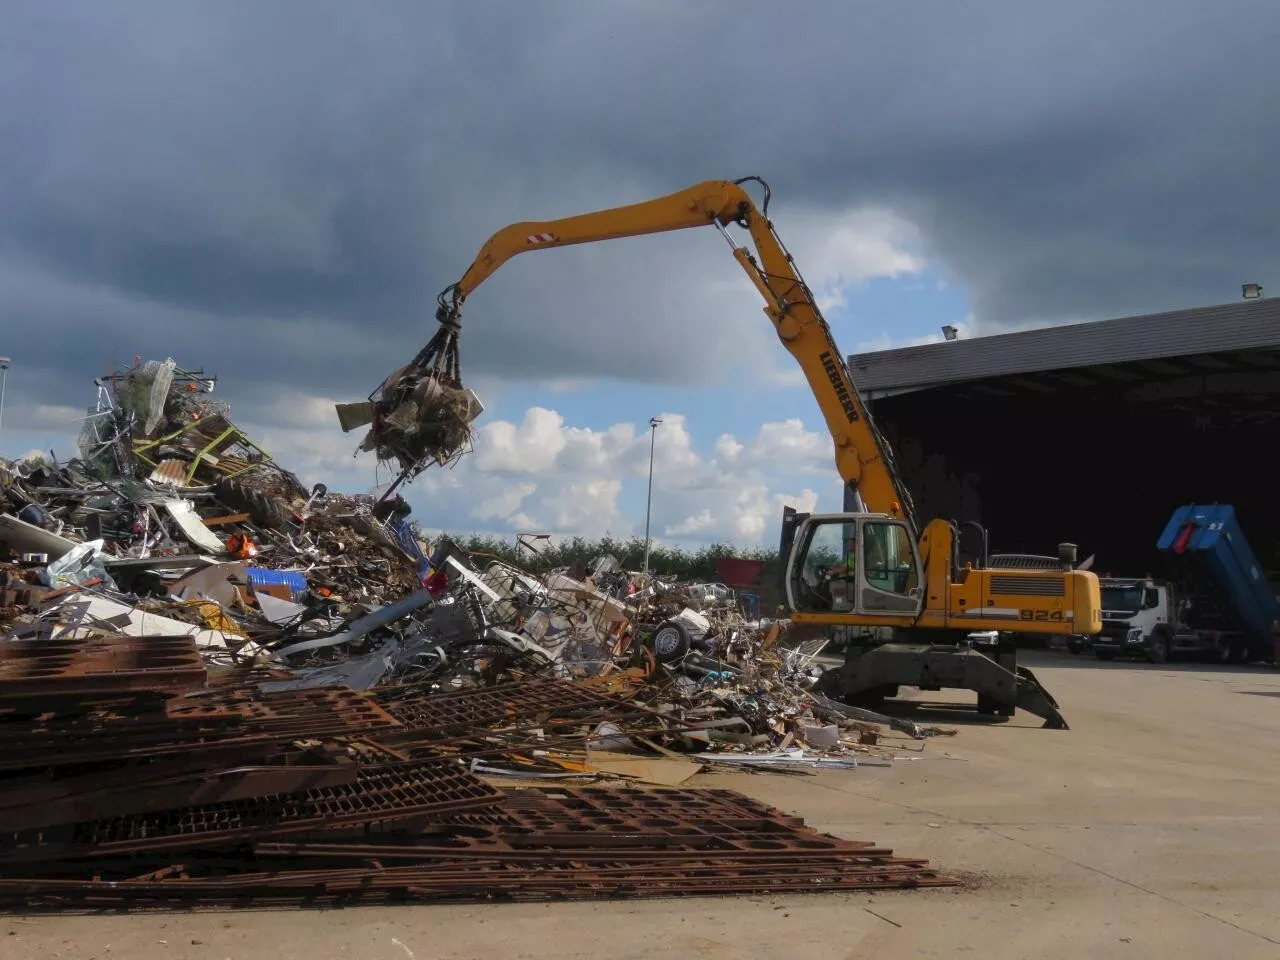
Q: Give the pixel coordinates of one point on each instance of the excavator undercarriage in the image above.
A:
(874, 671)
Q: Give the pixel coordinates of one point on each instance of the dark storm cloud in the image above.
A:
(279, 190)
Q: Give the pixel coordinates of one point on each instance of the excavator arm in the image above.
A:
(896, 576)
(862, 457)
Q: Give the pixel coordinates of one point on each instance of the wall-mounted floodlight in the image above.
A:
(950, 332)
(1251, 291)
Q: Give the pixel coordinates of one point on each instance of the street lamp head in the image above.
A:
(654, 421)
(4, 363)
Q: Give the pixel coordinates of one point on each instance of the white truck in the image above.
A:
(1150, 619)
(1138, 619)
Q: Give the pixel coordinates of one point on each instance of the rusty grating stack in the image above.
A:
(152, 793)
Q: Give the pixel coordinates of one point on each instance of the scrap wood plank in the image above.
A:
(664, 771)
(228, 518)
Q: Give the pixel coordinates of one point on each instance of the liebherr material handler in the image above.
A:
(873, 568)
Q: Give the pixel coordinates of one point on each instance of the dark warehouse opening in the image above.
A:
(1092, 452)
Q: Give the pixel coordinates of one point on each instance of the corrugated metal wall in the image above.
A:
(1234, 326)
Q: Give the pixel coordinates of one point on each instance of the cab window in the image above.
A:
(825, 552)
(887, 559)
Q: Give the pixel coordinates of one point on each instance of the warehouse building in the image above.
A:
(1093, 432)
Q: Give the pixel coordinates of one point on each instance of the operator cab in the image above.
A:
(854, 563)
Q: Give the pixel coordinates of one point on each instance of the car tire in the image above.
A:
(1158, 648)
(670, 641)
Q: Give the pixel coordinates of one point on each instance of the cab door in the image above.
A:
(889, 579)
(854, 564)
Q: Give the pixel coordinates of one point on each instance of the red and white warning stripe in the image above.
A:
(541, 238)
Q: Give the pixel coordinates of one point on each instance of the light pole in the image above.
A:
(4, 376)
(648, 508)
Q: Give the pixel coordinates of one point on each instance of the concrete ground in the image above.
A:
(1150, 829)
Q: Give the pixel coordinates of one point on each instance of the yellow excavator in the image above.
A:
(919, 614)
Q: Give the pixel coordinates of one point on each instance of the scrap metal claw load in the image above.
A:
(421, 414)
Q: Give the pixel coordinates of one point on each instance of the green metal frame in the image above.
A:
(231, 431)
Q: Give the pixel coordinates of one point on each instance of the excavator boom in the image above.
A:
(874, 568)
(863, 459)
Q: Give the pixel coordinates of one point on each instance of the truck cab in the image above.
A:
(1138, 619)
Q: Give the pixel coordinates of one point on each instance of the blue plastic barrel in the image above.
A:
(293, 579)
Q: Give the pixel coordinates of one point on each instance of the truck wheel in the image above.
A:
(1104, 654)
(1158, 649)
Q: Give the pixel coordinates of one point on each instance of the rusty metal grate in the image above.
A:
(486, 707)
(75, 669)
(54, 798)
(378, 793)
(477, 883)
(585, 824)
(246, 726)
(250, 721)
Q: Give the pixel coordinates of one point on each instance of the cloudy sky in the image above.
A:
(276, 191)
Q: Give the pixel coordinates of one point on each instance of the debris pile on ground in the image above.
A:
(219, 686)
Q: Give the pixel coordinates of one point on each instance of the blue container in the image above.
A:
(294, 580)
(1207, 544)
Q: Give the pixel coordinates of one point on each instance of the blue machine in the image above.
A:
(1212, 555)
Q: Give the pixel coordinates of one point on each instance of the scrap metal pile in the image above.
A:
(218, 687)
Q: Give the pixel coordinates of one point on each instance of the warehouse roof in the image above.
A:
(1224, 328)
